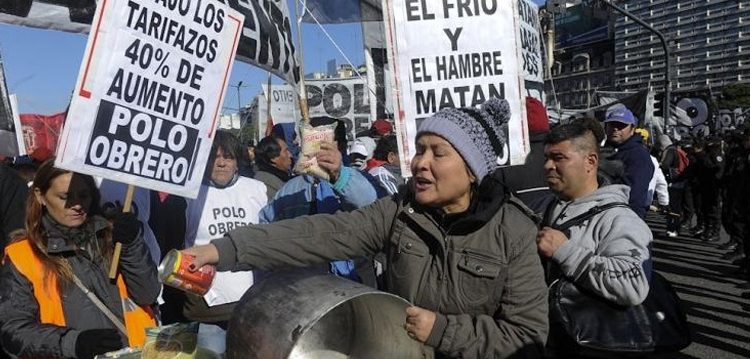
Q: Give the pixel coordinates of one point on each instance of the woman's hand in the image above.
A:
(125, 227)
(202, 255)
(419, 323)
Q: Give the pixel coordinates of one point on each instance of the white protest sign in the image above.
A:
(346, 99)
(455, 54)
(531, 45)
(17, 124)
(284, 107)
(149, 92)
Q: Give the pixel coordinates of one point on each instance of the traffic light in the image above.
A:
(659, 105)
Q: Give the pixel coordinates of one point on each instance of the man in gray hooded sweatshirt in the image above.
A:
(605, 254)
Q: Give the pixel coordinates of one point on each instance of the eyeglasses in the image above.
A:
(617, 125)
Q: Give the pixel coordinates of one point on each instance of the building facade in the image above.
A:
(583, 56)
(709, 41)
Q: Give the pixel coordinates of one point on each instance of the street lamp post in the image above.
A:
(239, 101)
(664, 44)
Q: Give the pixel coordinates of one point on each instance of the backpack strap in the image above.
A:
(593, 211)
(547, 217)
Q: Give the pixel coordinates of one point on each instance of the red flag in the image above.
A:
(41, 134)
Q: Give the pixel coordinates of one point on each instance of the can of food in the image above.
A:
(174, 272)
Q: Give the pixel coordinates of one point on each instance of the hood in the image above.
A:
(604, 195)
(634, 141)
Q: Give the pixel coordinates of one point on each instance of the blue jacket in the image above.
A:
(638, 171)
(296, 198)
(351, 191)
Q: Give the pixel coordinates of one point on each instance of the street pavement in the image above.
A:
(707, 285)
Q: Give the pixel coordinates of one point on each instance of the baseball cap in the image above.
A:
(622, 115)
(358, 148)
(381, 127)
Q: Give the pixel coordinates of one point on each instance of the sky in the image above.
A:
(41, 66)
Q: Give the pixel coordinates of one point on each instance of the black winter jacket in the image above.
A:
(21, 334)
(12, 203)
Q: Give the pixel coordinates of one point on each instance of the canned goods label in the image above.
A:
(174, 272)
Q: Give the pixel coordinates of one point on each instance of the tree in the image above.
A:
(735, 96)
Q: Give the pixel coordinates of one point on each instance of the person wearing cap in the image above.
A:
(380, 128)
(459, 246)
(360, 151)
(620, 124)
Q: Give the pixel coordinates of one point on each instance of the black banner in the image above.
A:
(266, 39)
(140, 144)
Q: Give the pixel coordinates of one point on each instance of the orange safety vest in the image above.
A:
(48, 295)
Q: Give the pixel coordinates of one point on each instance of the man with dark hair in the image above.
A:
(608, 253)
(620, 126)
(346, 189)
(708, 170)
(274, 161)
(385, 164)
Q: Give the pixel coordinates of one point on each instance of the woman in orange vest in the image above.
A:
(56, 300)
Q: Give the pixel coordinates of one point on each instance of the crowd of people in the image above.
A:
(471, 245)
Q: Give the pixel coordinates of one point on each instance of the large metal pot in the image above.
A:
(293, 315)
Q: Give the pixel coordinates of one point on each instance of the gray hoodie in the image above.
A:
(607, 252)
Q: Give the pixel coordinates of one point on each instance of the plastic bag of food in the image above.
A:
(169, 341)
(173, 341)
(125, 353)
(312, 137)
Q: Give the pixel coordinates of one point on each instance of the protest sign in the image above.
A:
(8, 131)
(149, 92)
(284, 107)
(266, 39)
(20, 141)
(531, 45)
(346, 99)
(455, 54)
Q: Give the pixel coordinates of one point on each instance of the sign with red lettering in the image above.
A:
(149, 92)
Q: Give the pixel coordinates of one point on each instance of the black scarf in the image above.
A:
(80, 236)
(266, 167)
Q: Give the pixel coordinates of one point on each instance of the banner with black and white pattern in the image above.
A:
(266, 39)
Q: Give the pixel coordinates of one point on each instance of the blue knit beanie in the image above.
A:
(479, 135)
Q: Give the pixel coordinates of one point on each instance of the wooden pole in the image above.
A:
(304, 110)
(118, 246)
(268, 102)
